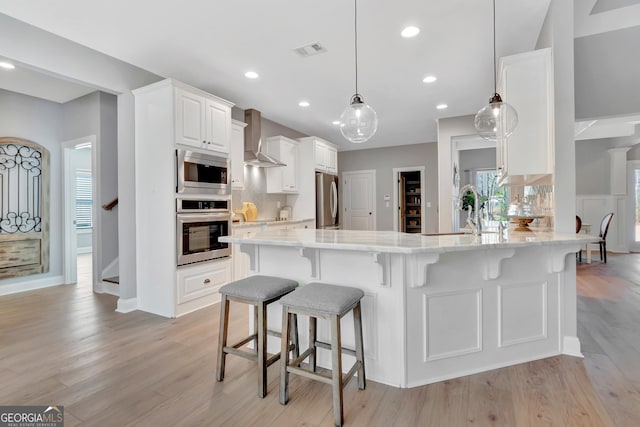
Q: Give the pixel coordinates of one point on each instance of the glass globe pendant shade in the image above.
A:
(358, 121)
(496, 120)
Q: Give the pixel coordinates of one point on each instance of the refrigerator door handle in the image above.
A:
(334, 199)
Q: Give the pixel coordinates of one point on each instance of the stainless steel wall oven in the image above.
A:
(200, 223)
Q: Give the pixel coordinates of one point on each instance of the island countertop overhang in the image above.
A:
(403, 243)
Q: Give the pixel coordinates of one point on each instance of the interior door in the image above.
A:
(402, 205)
(633, 190)
(359, 200)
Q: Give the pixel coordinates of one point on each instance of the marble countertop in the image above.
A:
(394, 242)
(260, 222)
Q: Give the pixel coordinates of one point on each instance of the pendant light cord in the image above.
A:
(495, 72)
(355, 26)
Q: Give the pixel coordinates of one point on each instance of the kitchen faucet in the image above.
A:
(475, 222)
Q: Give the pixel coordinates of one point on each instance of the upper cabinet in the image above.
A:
(526, 82)
(202, 120)
(236, 153)
(282, 179)
(325, 154)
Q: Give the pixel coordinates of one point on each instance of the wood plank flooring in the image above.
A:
(67, 346)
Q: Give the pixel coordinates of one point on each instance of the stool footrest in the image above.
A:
(244, 341)
(323, 378)
(308, 374)
(297, 361)
(327, 346)
(241, 353)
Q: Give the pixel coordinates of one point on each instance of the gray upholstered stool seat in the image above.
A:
(330, 302)
(323, 298)
(258, 291)
(259, 288)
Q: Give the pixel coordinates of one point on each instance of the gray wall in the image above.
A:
(383, 160)
(592, 167)
(39, 121)
(95, 114)
(482, 158)
(607, 67)
(634, 153)
(255, 181)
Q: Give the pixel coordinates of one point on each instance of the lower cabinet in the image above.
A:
(198, 284)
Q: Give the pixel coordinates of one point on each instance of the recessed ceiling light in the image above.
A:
(251, 75)
(430, 79)
(303, 104)
(336, 122)
(410, 32)
(7, 65)
(441, 106)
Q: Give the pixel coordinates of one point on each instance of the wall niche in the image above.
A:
(24, 208)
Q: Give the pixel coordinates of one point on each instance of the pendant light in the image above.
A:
(497, 119)
(358, 121)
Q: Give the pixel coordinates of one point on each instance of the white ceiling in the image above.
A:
(211, 44)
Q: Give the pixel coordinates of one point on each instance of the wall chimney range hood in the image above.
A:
(253, 154)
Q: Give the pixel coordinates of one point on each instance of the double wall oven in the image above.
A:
(203, 207)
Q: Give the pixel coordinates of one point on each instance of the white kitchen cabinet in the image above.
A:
(283, 179)
(326, 155)
(237, 155)
(163, 288)
(202, 120)
(198, 284)
(526, 82)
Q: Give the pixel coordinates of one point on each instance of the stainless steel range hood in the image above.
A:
(253, 142)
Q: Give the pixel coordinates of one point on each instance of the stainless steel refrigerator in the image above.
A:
(327, 212)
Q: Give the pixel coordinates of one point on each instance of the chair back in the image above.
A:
(604, 225)
(578, 224)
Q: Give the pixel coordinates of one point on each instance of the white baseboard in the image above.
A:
(127, 305)
(29, 285)
(571, 346)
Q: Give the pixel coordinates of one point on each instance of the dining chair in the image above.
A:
(578, 228)
(604, 228)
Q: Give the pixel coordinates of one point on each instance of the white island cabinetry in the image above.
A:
(169, 115)
(248, 230)
(434, 307)
(526, 82)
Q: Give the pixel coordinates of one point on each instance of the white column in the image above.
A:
(618, 170)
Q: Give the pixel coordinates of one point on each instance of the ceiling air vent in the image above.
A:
(310, 49)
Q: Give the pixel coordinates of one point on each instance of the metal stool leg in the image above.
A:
(294, 337)
(336, 370)
(222, 337)
(284, 357)
(313, 324)
(262, 349)
(357, 324)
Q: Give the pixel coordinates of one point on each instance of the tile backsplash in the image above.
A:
(255, 190)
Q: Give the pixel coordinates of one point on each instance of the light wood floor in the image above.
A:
(66, 346)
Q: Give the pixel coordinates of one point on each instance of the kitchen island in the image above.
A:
(435, 307)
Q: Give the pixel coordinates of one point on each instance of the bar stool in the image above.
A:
(330, 302)
(258, 291)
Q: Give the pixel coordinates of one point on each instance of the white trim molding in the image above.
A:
(30, 285)
(127, 305)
